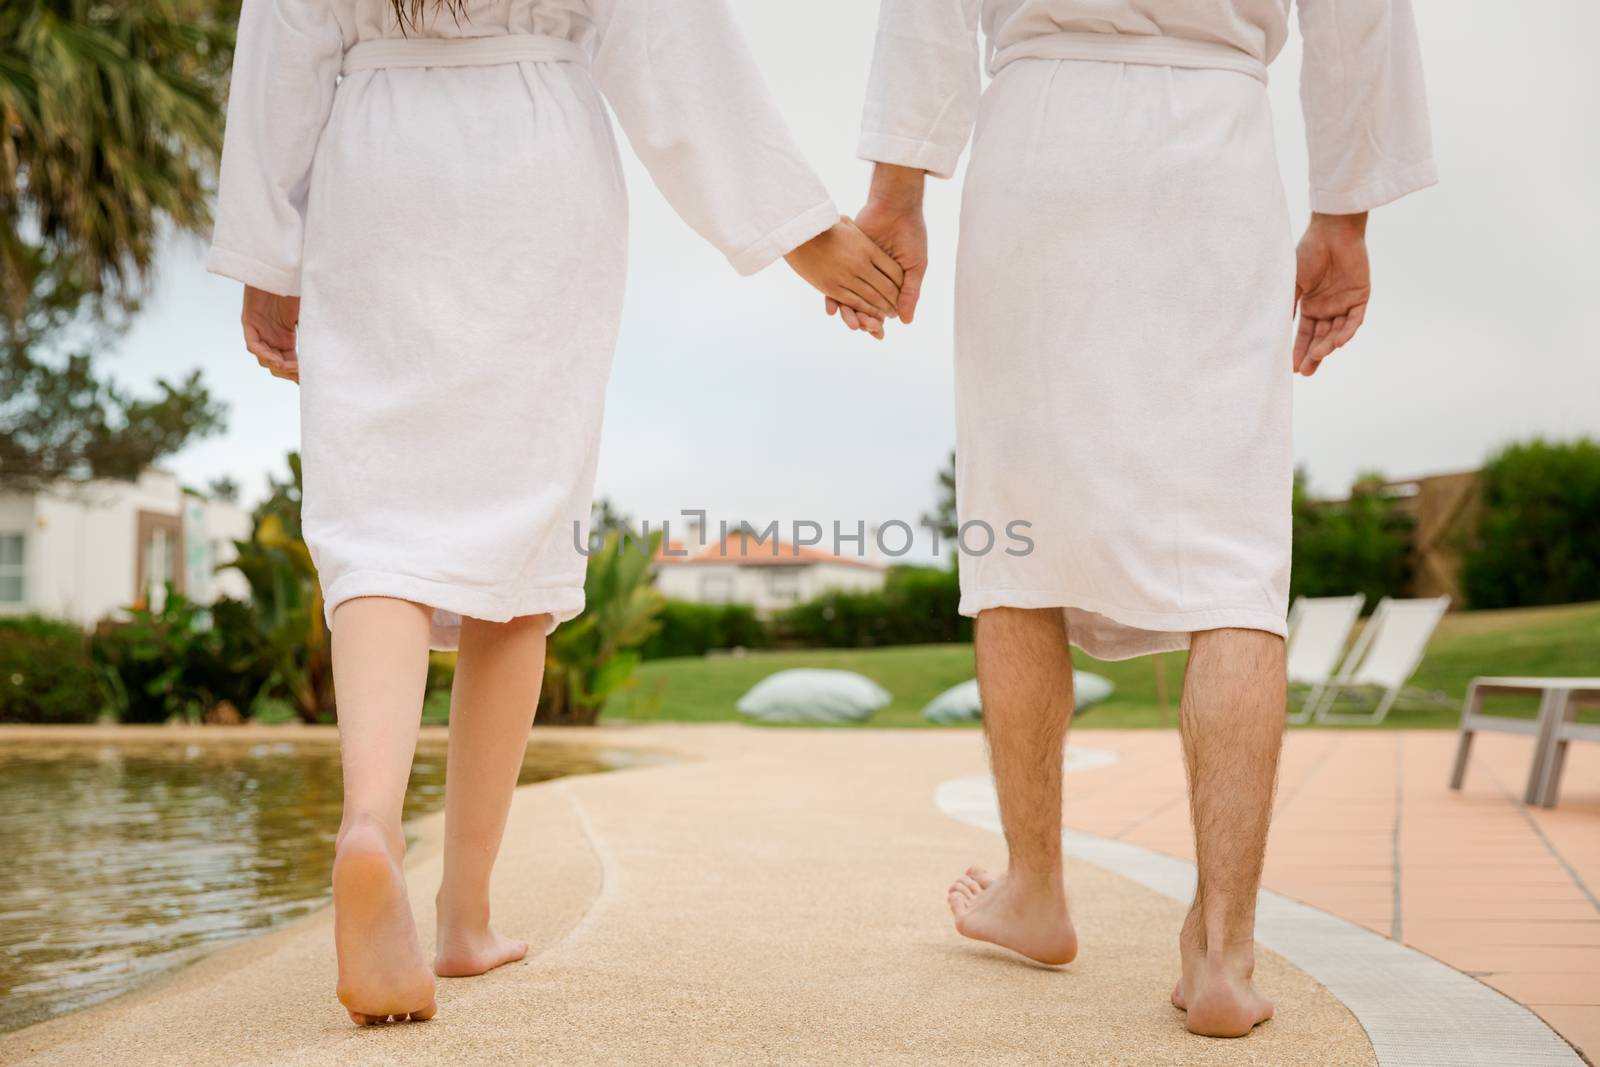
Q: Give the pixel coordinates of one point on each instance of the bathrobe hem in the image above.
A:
(938, 160)
(252, 272)
(785, 239)
(1116, 633)
(451, 603)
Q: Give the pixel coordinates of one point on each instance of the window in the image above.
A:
(784, 584)
(13, 567)
(716, 589)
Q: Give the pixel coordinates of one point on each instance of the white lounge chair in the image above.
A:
(1318, 630)
(1384, 658)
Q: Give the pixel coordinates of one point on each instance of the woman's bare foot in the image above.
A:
(469, 949)
(381, 969)
(1002, 911)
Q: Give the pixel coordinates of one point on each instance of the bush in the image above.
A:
(46, 674)
(1360, 545)
(917, 606)
(1538, 536)
(184, 661)
(690, 629)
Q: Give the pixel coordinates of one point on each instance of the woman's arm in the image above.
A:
(285, 69)
(696, 110)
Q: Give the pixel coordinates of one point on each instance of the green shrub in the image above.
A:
(46, 673)
(1360, 545)
(183, 660)
(917, 606)
(1538, 536)
(690, 629)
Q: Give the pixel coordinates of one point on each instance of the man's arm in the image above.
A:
(1331, 287)
(893, 218)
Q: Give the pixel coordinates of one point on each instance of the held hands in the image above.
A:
(845, 266)
(1331, 288)
(893, 218)
(270, 322)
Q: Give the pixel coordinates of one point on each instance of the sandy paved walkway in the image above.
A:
(775, 897)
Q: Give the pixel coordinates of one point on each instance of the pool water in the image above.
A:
(121, 861)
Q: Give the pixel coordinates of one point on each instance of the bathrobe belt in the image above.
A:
(463, 51)
(1149, 49)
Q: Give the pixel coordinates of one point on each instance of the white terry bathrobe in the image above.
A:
(1125, 281)
(449, 204)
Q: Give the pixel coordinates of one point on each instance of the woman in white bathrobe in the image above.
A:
(1125, 295)
(440, 185)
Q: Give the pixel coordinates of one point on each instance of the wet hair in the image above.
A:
(410, 12)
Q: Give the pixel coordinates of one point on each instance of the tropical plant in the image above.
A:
(113, 119)
(593, 657)
(288, 601)
(182, 660)
(110, 125)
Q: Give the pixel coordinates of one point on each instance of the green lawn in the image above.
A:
(1537, 641)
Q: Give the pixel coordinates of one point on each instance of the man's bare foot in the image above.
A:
(465, 952)
(381, 969)
(1032, 922)
(1218, 994)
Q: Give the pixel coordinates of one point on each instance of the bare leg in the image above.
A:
(1025, 673)
(491, 710)
(1234, 696)
(380, 666)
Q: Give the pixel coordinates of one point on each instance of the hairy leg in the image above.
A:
(1025, 674)
(1232, 718)
(380, 665)
(492, 706)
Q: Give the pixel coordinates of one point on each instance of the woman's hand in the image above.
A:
(270, 322)
(1331, 287)
(845, 265)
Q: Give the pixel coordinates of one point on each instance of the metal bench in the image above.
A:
(1559, 700)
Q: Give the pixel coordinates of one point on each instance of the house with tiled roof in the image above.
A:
(768, 572)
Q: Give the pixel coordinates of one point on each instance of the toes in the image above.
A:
(426, 1013)
(982, 877)
(519, 949)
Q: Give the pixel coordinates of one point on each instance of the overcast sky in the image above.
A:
(739, 396)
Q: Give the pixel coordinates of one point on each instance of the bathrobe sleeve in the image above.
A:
(922, 98)
(1365, 107)
(691, 100)
(285, 69)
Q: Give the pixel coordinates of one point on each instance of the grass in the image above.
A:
(1524, 641)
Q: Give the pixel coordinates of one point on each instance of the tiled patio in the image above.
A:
(1367, 829)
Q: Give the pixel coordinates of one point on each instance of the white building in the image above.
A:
(768, 574)
(85, 551)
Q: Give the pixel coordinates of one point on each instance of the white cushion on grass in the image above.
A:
(806, 695)
(961, 703)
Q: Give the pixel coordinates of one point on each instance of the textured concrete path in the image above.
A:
(775, 896)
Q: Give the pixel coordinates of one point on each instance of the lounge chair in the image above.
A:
(1318, 630)
(1384, 658)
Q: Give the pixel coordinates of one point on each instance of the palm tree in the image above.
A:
(111, 120)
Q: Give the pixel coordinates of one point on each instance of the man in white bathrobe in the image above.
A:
(1124, 354)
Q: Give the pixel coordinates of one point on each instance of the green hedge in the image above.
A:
(1360, 545)
(689, 629)
(1538, 537)
(46, 673)
(917, 606)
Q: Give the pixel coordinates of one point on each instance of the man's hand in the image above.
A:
(1331, 288)
(270, 324)
(893, 218)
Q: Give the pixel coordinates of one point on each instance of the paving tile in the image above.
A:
(1472, 933)
(1553, 989)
